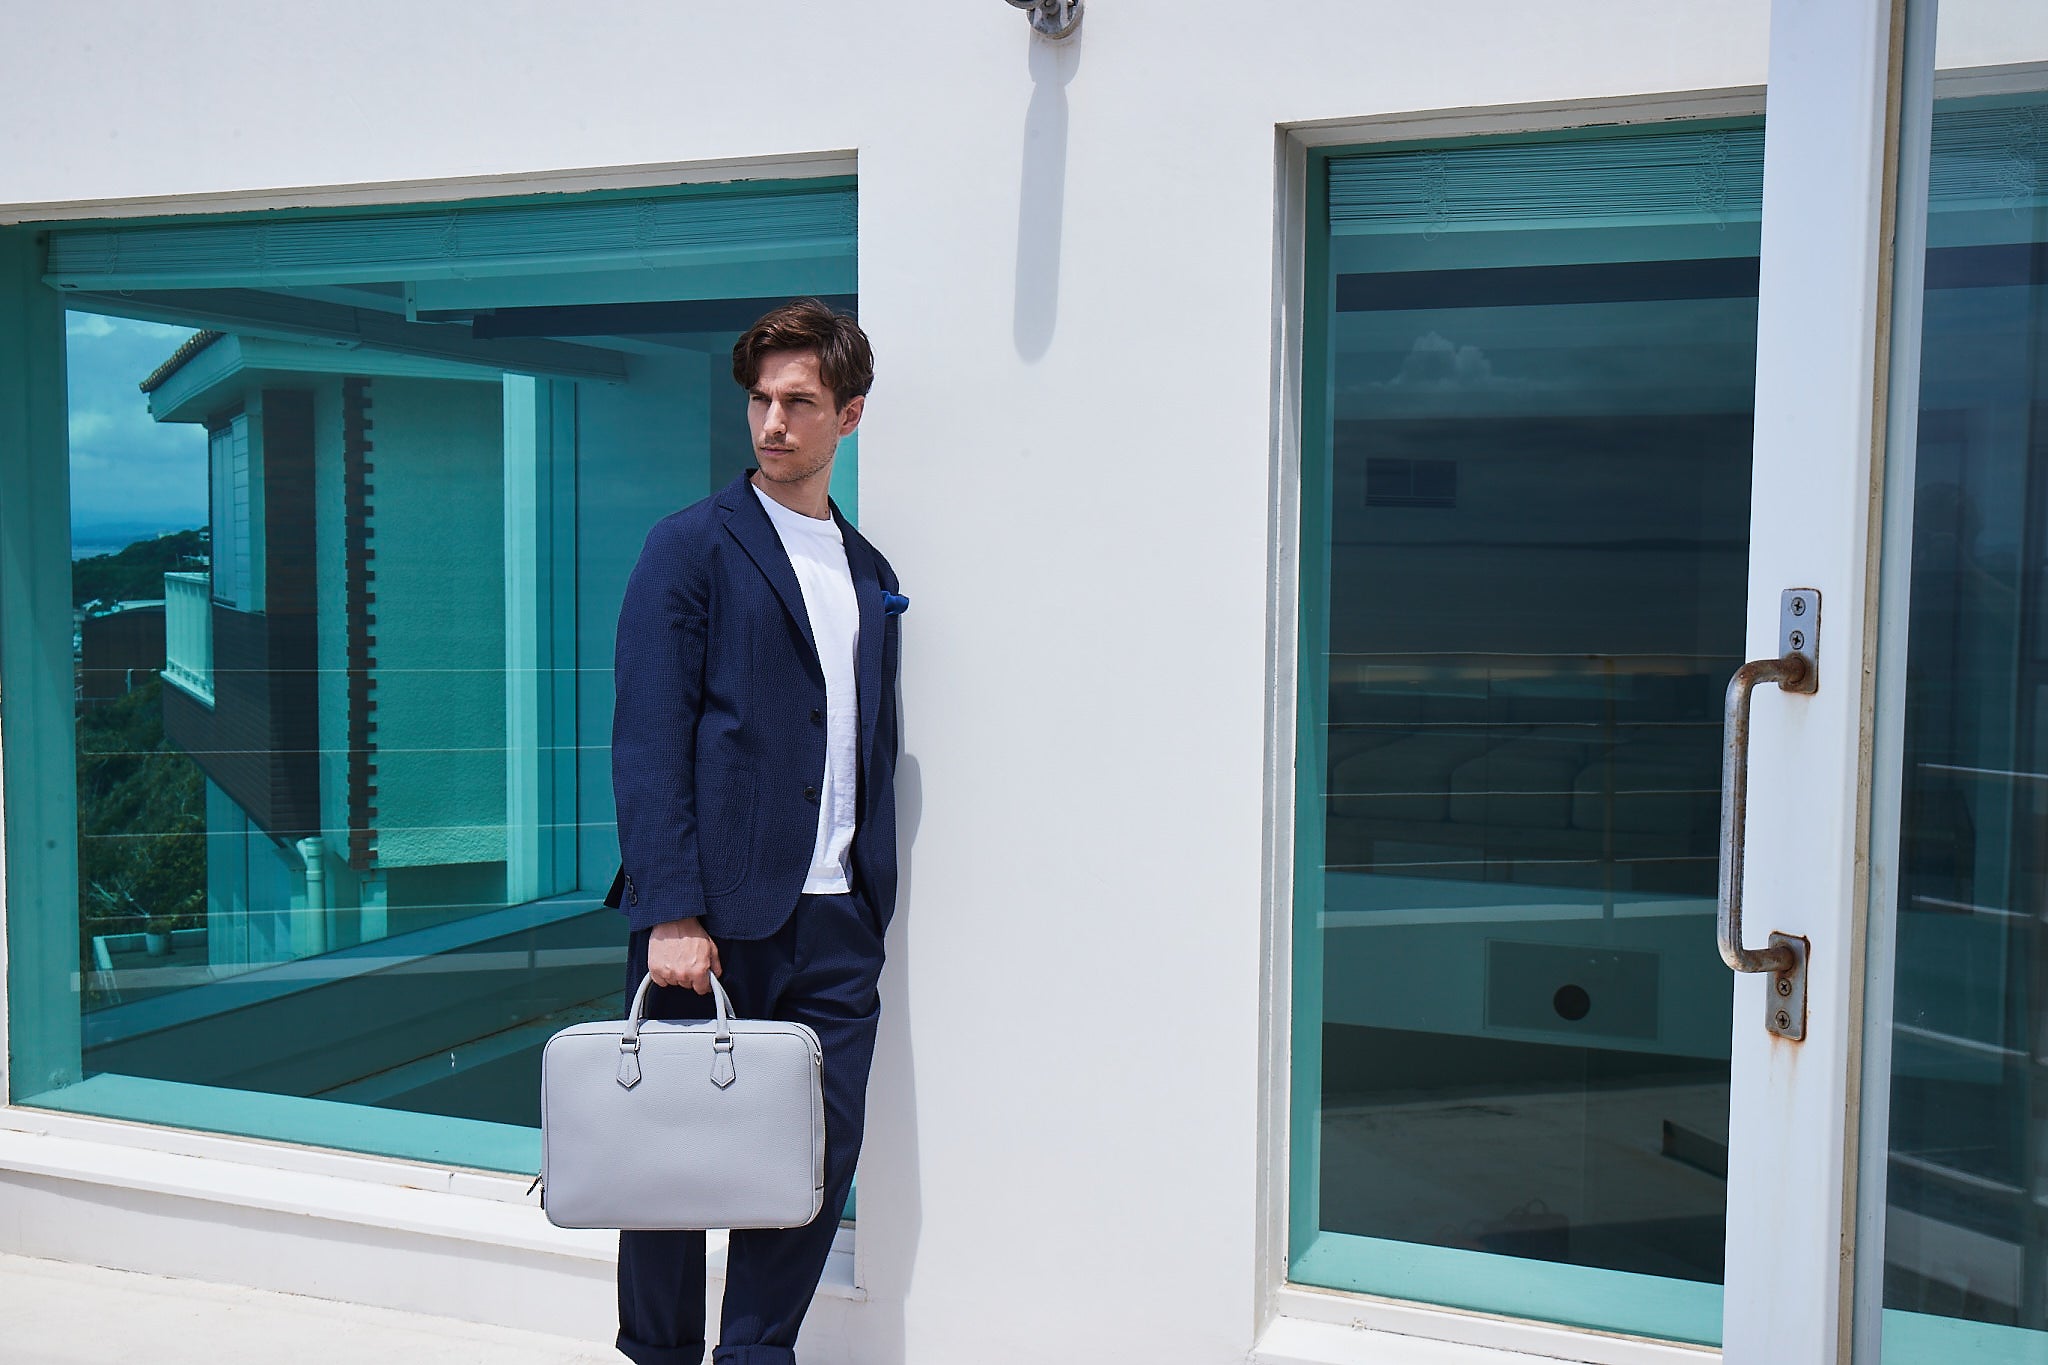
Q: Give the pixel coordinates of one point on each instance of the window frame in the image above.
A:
(237, 550)
(199, 1168)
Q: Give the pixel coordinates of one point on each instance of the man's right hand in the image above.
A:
(680, 953)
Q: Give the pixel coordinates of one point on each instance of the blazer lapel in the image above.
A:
(867, 592)
(748, 522)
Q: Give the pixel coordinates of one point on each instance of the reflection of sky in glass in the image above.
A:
(1663, 356)
(131, 476)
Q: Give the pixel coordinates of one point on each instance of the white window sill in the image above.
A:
(479, 1207)
(1323, 1327)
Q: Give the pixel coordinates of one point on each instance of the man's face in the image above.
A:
(796, 427)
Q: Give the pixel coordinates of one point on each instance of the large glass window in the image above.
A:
(352, 502)
(1524, 519)
(1529, 383)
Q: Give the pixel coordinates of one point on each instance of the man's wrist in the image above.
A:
(690, 927)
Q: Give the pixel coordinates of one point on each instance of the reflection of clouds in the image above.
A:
(125, 465)
(1437, 364)
(88, 424)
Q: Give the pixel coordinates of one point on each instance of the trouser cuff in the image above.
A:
(640, 1353)
(753, 1355)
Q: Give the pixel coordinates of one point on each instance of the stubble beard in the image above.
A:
(810, 472)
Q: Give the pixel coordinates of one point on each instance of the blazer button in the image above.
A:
(816, 714)
(810, 793)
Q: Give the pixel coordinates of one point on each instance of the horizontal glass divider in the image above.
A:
(1368, 869)
(1928, 1339)
(291, 1118)
(1429, 726)
(1475, 657)
(1541, 913)
(386, 828)
(2002, 774)
(1489, 793)
(1516, 656)
(1944, 906)
(1511, 223)
(418, 950)
(1606, 1300)
(373, 751)
(1958, 1042)
(1957, 1176)
(393, 671)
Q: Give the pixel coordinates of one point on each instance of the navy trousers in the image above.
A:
(819, 969)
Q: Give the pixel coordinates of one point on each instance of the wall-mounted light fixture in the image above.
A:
(1052, 18)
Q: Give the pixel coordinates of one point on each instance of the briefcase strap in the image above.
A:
(722, 1072)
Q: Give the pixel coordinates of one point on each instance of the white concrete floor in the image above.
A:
(56, 1313)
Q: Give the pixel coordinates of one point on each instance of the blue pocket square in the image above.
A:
(894, 604)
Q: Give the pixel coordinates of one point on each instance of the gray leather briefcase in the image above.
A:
(682, 1124)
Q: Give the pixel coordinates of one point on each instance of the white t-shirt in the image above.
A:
(817, 552)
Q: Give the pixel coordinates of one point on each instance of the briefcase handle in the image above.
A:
(722, 1072)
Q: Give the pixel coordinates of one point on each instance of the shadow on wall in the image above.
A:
(1041, 196)
(886, 1245)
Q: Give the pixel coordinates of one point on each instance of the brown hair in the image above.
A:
(845, 361)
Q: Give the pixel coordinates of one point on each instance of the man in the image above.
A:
(754, 744)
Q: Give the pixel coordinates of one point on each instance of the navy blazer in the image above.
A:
(718, 728)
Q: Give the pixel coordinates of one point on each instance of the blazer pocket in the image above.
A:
(725, 828)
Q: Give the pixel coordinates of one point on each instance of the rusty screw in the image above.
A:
(1799, 606)
(1784, 1020)
(1784, 986)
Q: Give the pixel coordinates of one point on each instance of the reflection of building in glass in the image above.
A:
(427, 480)
(1535, 512)
(118, 648)
(352, 729)
(1967, 1226)
(1536, 420)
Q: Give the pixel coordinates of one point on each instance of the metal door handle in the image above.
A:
(1797, 669)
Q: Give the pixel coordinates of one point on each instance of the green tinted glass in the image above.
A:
(1965, 1254)
(1525, 521)
(317, 528)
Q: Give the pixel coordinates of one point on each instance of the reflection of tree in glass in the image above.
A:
(137, 571)
(141, 825)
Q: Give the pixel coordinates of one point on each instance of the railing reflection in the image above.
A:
(1601, 770)
(188, 633)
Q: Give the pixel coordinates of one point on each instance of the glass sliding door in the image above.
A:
(1525, 527)
(1957, 1175)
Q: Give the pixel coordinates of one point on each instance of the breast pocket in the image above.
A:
(725, 827)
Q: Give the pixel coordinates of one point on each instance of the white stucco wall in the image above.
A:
(1067, 264)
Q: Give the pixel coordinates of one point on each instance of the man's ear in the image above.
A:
(849, 416)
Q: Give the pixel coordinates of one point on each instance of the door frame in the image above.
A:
(1298, 1322)
(1829, 353)
(1825, 401)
